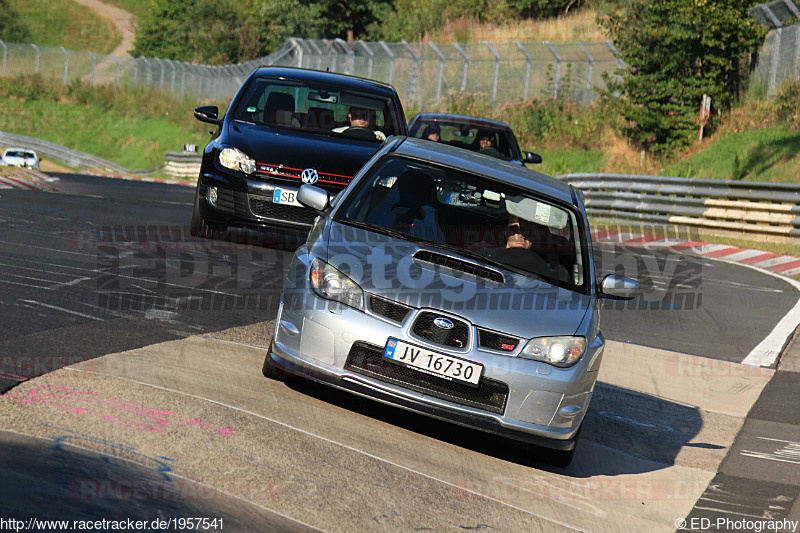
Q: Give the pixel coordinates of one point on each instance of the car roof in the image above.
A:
(319, 76)
(476, 163)
(27, 150)
(476, 122)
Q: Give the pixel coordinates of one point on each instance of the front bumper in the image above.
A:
(543, 406)
(250, 203)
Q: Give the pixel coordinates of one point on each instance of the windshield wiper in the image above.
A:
(382, 229)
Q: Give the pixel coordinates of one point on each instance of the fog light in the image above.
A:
(212, 196)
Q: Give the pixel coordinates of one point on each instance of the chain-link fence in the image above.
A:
(779, 57)
(423, 73)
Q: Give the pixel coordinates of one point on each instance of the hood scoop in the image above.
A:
(454, 263)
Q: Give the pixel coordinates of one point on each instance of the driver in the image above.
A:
(359, 118)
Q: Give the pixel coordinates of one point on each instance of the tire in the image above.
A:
(269, 370)
(199, 228)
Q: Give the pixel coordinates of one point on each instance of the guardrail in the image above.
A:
(68, 156)
(183, 164)
(750, 207)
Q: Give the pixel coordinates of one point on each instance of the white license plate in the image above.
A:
(436, 364)
(285, 197)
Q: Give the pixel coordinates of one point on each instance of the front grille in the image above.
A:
(496, 341)
(263, 207)
(367, 359)
(457, 337)
(388, 309)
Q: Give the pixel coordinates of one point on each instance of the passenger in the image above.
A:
(432, 132)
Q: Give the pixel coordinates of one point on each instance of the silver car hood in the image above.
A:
(392, 268)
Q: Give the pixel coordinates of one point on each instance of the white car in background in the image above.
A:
(20, 157)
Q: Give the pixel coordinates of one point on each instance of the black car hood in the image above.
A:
(274, 147)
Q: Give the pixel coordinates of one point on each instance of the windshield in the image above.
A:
(499, 143)
(473, 215)
(24, 155)
(317, 109)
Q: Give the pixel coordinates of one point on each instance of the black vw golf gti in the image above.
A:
(285, 127)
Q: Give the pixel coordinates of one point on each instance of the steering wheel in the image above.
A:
(359, 133)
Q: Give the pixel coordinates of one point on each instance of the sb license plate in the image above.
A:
(285, 197)
(435, 364)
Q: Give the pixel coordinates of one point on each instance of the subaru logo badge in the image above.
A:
(443, 323)
(309, 175)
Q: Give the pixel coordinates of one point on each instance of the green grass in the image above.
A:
(68, 24)
(140, 8)
(555, 162)
(131, 128)
(760, 155)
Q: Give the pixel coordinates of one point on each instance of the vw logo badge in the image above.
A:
(309, 175)
(443, 323)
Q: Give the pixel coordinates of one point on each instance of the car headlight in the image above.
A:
(331, 284)
(236, 160)
(557, 351)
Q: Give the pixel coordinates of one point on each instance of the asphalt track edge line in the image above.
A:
(769, 350)
(331, 441)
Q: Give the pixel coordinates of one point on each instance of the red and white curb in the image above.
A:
(767, 352)
(783, 265)
(18, 178)
(184, 183)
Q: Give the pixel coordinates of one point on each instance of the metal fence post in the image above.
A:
(773, 67)
(161, 74)
(557, 73)
(464, 67)
(94, 64)
(36, 69)
(66, 62)
(617, 76)
(5, 56)
(796, 70)
(588, 72)
(441, 72)
(349, 64)
(391, 60)
(296, 46)
(370, 60)
(496, 70)
(116, 71)
(318, 51)
(527, 69)
(413, 89)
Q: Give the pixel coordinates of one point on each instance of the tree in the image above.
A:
(676, 51)
(11, 27)
(204, 31)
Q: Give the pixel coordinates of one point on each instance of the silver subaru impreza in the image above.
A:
(451, 284)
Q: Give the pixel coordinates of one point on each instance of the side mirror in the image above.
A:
(618, 287)
(314, 197)
(530, 157)
(208, 113)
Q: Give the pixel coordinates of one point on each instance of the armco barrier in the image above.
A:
(68, 156)
(182, 164)
(750, 207)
